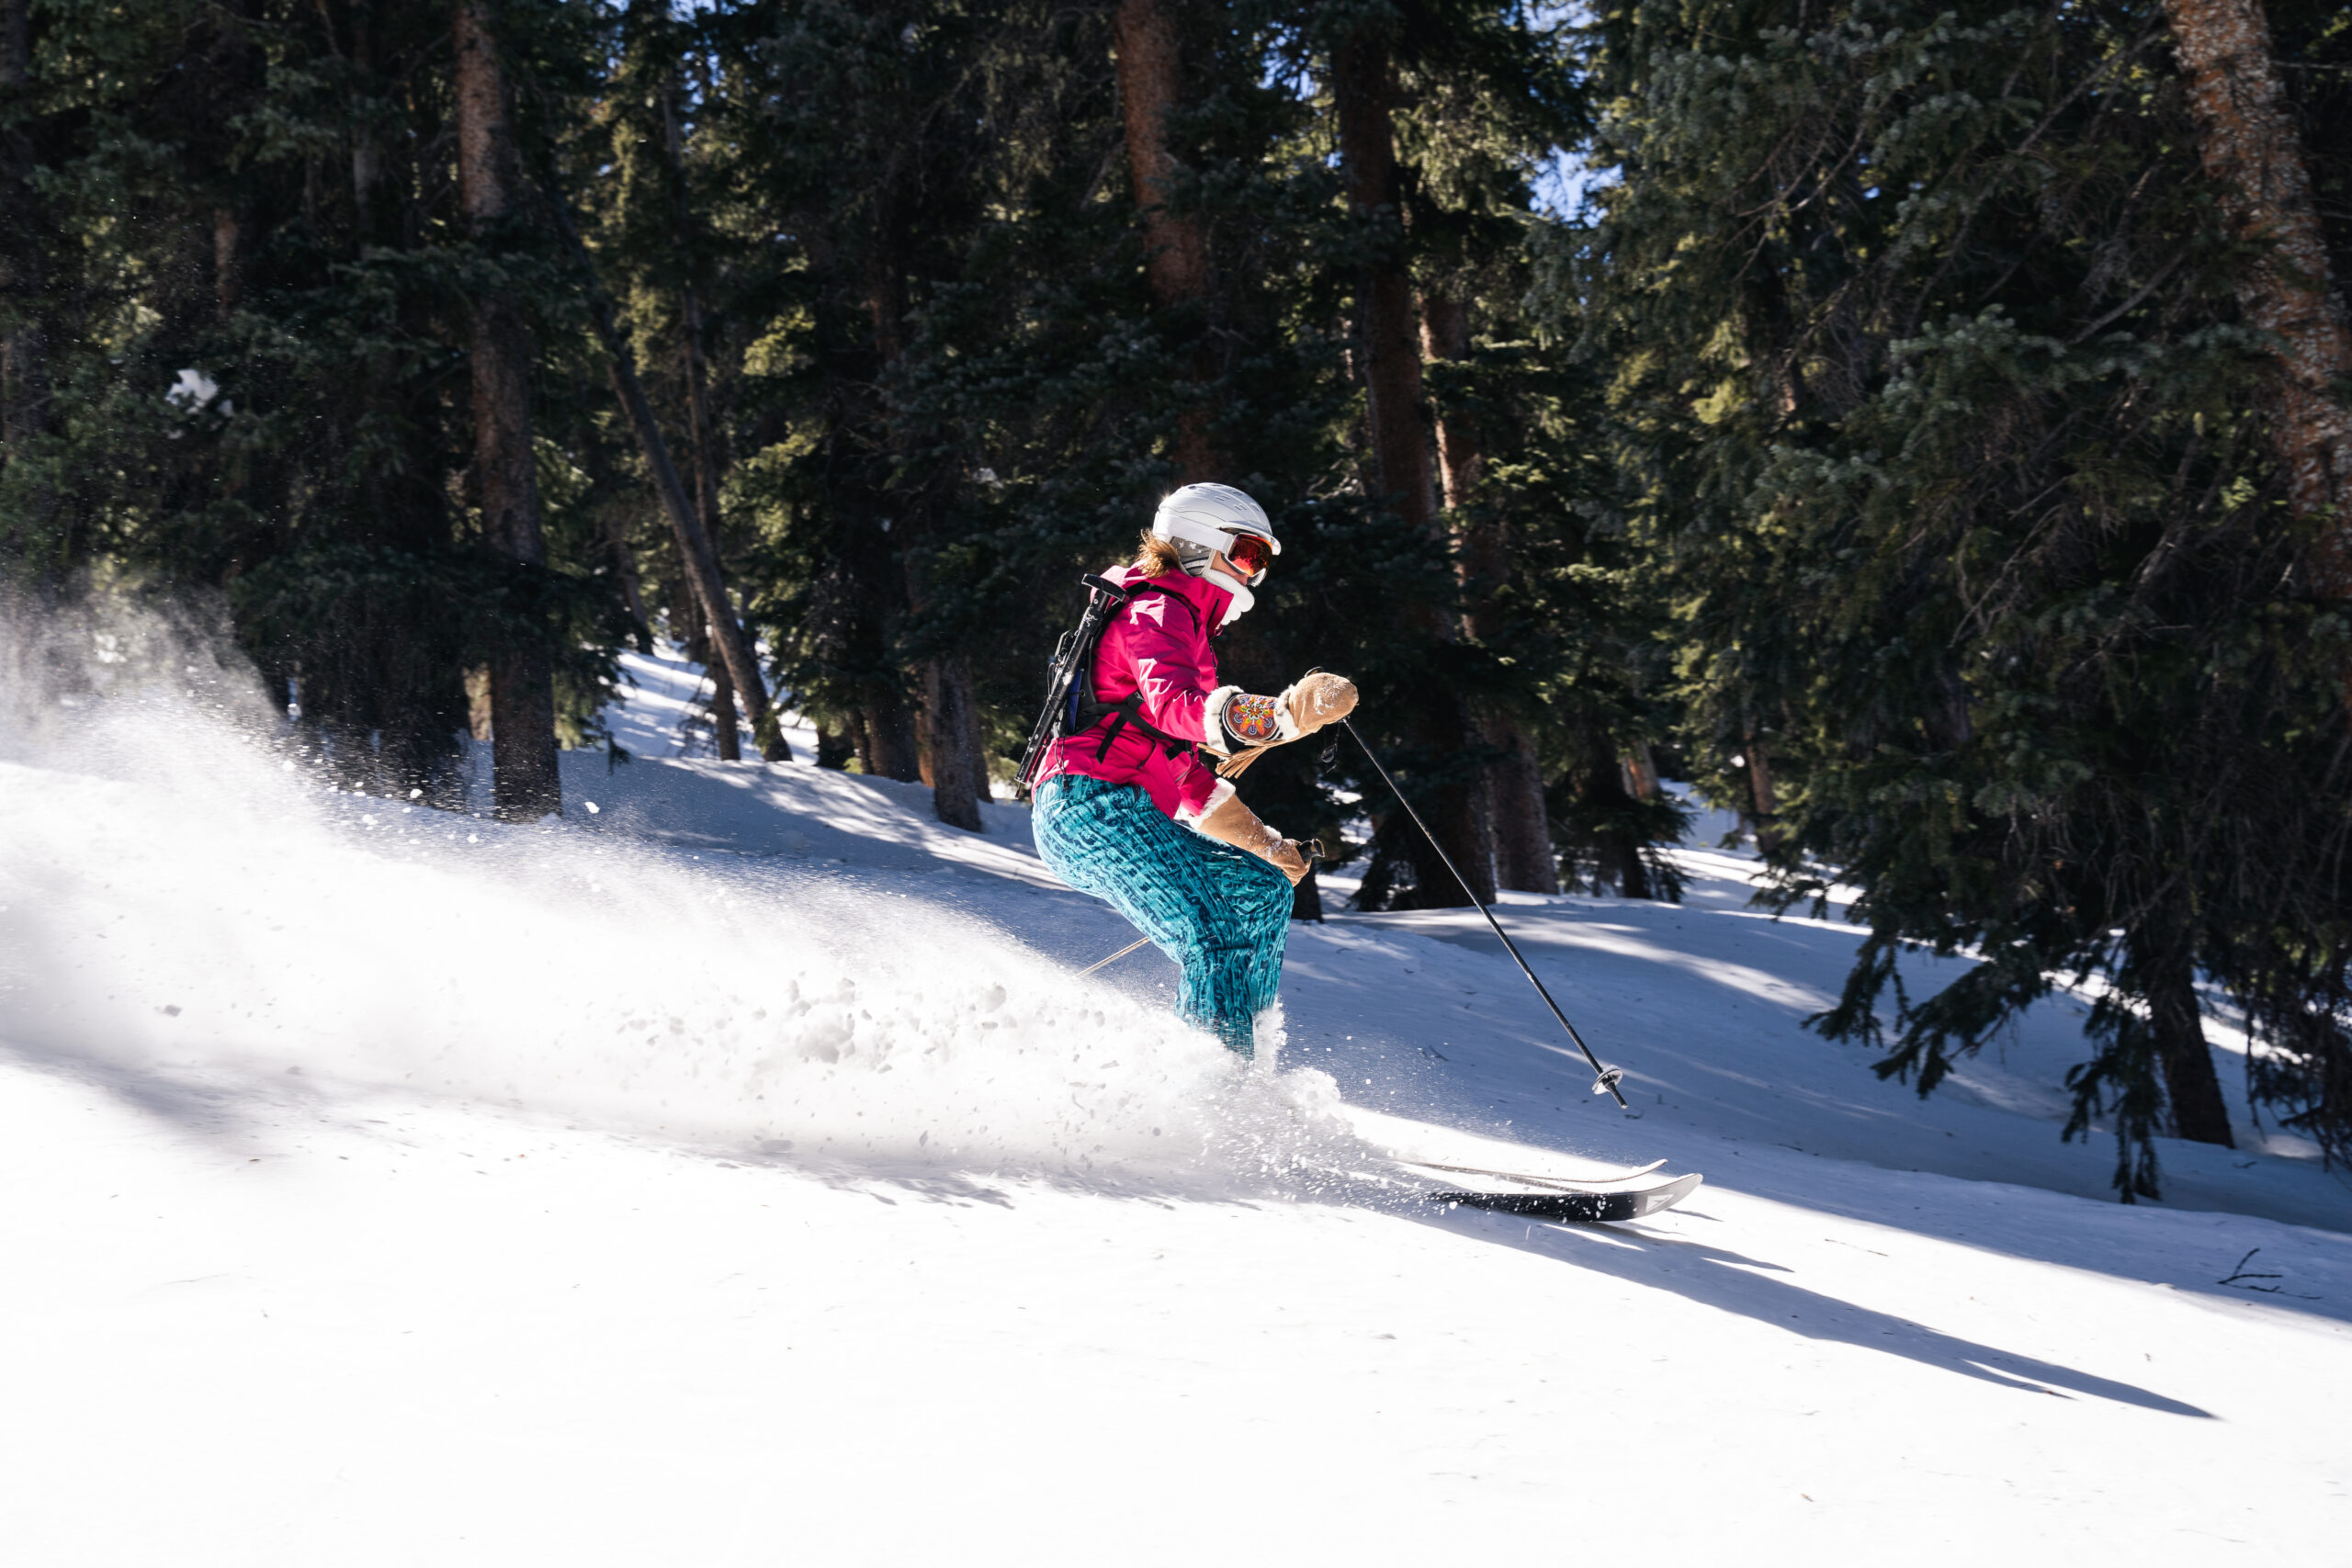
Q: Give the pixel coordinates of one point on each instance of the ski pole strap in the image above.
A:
(1608, 1075)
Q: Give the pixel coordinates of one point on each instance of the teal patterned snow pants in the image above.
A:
(1220, 913)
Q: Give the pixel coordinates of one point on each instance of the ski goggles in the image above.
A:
(1253, 554)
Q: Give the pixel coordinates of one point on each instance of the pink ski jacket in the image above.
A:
(1156, 645)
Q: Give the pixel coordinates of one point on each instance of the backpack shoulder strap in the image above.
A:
(1091, 710)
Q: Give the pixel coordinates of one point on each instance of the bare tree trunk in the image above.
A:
(1524, 859)
(1641, 773)
(228, 262)
(726, 726)
(892, 744)
(1620, 851)
(947, 760)
(624, 560)
(697, 549)
(2191, 1087)
(977, 740)
(1392, 375)
(1455, 812)
(1513, 786)
(956, 779)
(946, 733)
(2250, 149)
(703, 433)
(1760, 785)
(1176, 267)
(701, 648)
(1445, 336)
(525, 782)
(891, 749)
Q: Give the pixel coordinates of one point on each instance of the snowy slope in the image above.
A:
(737, 1175)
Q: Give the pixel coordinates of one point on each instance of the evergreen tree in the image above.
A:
(255, 282)
(1927, 362)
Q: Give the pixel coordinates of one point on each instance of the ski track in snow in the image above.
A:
(737, 1174)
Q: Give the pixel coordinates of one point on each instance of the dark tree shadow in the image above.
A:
(1724, 1280)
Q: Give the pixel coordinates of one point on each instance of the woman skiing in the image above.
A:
(1127, 808)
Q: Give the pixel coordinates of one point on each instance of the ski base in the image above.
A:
(1588, 1208)
(1561, 1183)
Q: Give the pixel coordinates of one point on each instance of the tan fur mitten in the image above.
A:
(1318, 699)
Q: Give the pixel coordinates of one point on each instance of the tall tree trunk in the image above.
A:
(1445, 336)
(726, 725)
(1151, 82)
(24, 347)
(891, 749)
(957, 780)
(1524, 859)
(945, 734)
(701, 430)
(1391, 373)
(949, 761)
(766, 723)
(1620, 850)
(2250, 149)
(2191, 1087)
(701, 648)
(1641, 773)
(228, 262)
(525, 782)
(1766, 814)
(1513, 786)
(624, 558)
(697, 549)
(977, 738)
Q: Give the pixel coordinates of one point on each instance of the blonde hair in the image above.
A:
(1156, 557)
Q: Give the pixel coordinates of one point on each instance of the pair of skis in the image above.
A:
(1623, 1197)
(1553, 1197)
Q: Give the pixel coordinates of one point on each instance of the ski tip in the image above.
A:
(1653, 1199)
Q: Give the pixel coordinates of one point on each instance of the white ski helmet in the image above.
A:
(1202, 521)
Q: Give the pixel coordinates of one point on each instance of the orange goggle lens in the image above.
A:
(1250, 553)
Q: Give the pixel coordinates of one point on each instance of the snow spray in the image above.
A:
(192, 910)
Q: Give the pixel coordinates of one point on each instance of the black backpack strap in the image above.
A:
(1128, 710)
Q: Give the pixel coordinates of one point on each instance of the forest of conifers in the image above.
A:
(1921, 426)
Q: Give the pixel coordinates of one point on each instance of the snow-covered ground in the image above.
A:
(663, 716)
(737, 1174)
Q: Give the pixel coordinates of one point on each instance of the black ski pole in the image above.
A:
(1608, 1076)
